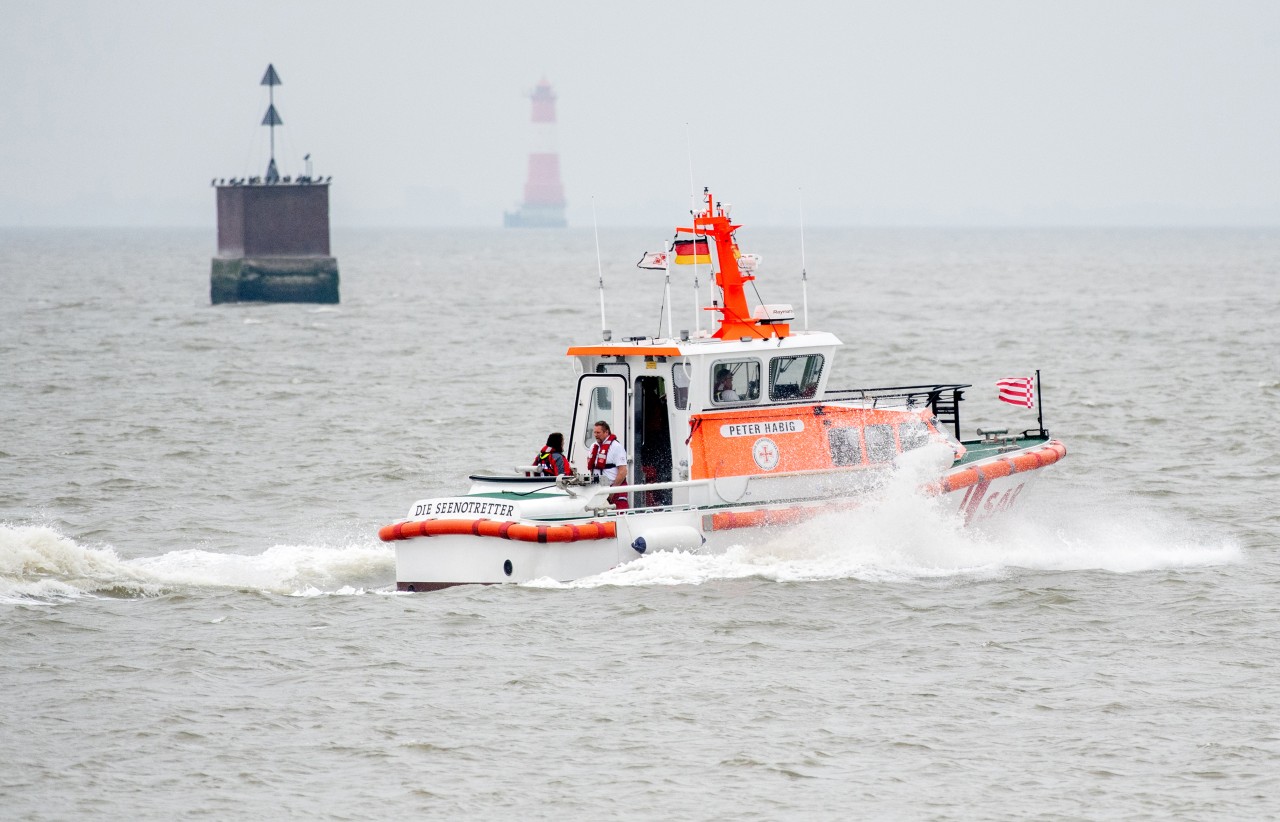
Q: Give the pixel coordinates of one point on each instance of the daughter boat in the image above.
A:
(731, 429)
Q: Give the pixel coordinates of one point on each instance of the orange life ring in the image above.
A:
(503, 529)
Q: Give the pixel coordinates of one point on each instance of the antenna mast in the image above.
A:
(697, 296)
(604, 329)
(804, 274)
(670, 308)
(272, 119)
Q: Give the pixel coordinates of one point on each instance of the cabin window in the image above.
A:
(735, 381)
(794, 377)
(680, 381)
(846, 446)
(912, 435)
(601, 408)
(881, 446)
(614, 368)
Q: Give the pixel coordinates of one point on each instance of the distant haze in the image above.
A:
(974, 113)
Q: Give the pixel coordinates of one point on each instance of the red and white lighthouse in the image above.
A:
(543, 205)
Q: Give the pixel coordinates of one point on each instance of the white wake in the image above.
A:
(901, 537)
(39, 564)
(906, 537)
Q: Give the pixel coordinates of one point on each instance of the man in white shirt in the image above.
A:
(608, 462)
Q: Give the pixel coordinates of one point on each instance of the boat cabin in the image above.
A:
(650, 391)
(746, 400)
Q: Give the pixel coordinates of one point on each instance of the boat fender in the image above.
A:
(671, 538)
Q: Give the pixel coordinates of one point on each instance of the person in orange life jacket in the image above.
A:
(608, 462)
(551, 458)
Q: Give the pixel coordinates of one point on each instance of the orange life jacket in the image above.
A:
(553, 462)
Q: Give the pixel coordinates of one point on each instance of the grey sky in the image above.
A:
(967, 113)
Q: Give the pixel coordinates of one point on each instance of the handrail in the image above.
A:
(902, 390)
(945, 411)
(595, 489)
(610, 490)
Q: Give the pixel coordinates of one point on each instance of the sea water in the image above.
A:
(199, 620)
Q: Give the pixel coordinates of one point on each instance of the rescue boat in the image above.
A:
(726, 430)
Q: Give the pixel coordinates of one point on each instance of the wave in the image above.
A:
(902, 538)
(38, 564)
(908, 538)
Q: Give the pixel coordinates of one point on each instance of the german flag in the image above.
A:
(689, 252)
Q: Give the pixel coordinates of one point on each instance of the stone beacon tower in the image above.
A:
(273, 232)
(543, 205)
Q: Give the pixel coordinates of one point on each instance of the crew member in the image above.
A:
(724, 386)
(608, 462)
(551, 458)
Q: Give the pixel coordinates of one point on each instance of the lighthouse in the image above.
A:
(543, 205)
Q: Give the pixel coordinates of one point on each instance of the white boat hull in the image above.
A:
(510, 551)
(430, 563)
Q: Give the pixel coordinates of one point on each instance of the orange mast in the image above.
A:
(735, 317)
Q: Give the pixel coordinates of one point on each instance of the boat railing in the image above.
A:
(593, 490)
(576, 487)
(942, 400)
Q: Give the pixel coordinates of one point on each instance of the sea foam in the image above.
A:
(899, 536)
(39, 564)
(904, 536)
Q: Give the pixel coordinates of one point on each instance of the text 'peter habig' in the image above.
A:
(755, 429)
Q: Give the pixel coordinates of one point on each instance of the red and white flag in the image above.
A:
(1017, 391)
(654, 259)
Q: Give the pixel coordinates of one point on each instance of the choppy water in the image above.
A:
(198, 618)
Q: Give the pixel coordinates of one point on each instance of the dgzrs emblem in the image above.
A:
(766, 454)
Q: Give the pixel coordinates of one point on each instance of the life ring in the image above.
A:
(502, 529)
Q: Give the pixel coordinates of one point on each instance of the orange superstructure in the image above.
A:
(762, 441)
(735, 317)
